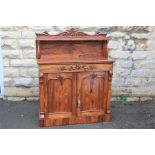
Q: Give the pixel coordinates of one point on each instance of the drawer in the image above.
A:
(74, 68)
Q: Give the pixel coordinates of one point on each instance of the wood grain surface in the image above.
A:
(75, 78)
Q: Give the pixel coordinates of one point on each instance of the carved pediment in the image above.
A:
(71, 32)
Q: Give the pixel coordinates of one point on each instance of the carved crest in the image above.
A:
(71, 32)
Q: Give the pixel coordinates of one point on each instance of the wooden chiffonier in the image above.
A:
(75, 78)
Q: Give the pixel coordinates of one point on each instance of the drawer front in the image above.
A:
(74, 68)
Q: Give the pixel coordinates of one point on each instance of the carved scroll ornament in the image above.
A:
(69, 33)
(76, 67)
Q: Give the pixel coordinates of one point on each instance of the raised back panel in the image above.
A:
(71, 44)
(71, 49)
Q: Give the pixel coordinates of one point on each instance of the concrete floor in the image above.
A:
(24, 115)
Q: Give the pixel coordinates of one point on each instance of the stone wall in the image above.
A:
(133, 48)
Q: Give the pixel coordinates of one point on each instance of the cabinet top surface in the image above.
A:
(70, 35)
(70, 61)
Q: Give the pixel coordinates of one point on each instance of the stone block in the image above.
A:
(11, 72)
(143, 91)
(113, 99)
(145, 64)
(48, 28)
(119, 54)
(10, 35)
(10, 44)
(118, 82)
(129, 45)
(29, 54)
(22, 28)
(150, 55)
(120, 72)
(148, 81)
(124, 63)
(35, 91)
(89, 30)
(140, 35)
(24, 82)
(146, 73)
(10, 91)
(23, 63)
(12, 54)
(17, 92)
(8, 82)
(151, 28)
(27, 43)
(121, 91)
(130, 82)
(131, 29)
(28, 35)
(146, 99)
(115, 45)
(29, 72)
(132, 99)
(6, 28)
(150, 44)
(32, 98)
(24, 92)
(33, 72)
(117, 35)
(36, 82)
(6, 62)
(139, 55)
(16, 99)
(107, 29)
(142, 45)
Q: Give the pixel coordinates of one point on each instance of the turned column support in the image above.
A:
(110, 73)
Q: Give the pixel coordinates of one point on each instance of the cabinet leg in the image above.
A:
(41, 122)
(108, 118)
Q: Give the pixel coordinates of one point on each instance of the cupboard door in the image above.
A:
(60, 95)
(91, 93)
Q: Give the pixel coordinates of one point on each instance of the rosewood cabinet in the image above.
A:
(75, 78)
